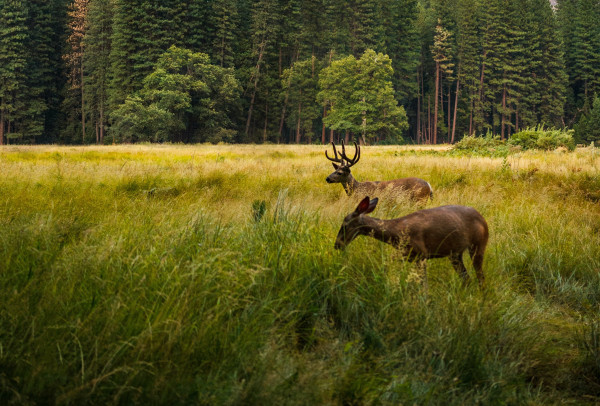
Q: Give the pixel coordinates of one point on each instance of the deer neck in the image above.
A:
(383, 230)
(350, 185)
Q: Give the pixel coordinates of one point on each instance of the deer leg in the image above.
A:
(459, 265)
(477, 258)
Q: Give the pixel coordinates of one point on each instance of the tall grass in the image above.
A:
(143, 274)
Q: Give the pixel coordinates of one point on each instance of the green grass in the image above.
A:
(143, 275)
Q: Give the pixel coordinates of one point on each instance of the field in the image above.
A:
(151, 274)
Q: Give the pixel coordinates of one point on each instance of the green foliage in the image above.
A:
(587, 130)
(540, 138)
(13, 36)
(536, 138)
(580, 32)
(98, 42)
(504, 65)
(185, 99)
(360, 96)
(300, 85)
(490, 145)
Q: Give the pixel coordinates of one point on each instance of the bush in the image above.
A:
(489, 145)
(538, 138)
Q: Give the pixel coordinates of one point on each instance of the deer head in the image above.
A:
(352, 224)
(342, 164)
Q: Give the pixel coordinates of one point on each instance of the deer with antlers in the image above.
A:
(415, 188)
(445, 231)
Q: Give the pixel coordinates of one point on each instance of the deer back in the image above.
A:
(415, 188)
(441, 231)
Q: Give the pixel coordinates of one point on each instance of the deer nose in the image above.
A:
(327, 180)
(339, 246)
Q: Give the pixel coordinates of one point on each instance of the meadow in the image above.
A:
(170, 274)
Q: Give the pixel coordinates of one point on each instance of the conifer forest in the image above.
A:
(291, 71)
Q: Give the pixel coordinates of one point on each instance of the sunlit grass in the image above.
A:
(140, 273)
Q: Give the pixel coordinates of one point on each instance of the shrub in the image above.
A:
(538, 138)
(489, 145)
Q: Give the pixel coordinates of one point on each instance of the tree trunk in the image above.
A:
(285, 102)
(331, 135)
(266, 118)
(280, 60)
(455, 109)
(102, 123)
(435, 106)
(323, 130)
(253, 97)
(298, 135)
(471, 114)
(1, 126)
(418, 107)
(82, 105)
(449, 93)
(481, 81)
(503, 114)
(347, 139)
(429, 120)
(222, 50)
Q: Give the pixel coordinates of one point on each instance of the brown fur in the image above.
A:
(416, 189)
(445, 231)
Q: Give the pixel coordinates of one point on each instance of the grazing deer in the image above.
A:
(417, 189)
(445, 231)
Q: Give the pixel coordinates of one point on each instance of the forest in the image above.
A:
(291, 71)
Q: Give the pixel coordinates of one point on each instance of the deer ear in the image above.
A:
(372, 205)
(336, 167)
(364, 206)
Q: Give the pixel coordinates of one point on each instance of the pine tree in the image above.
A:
(74, 58)
(226, 20)
(13, 37)
(265, 14)
(301, 85)
(198, 20)
(551, 74)
(587, 130)
(579, 24)
(142, 31)
(399, 40)
(442, 55)
(468, 43)
(97, 42)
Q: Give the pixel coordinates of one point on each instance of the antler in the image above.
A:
(343, 157)
(354, 160)
(336, 159)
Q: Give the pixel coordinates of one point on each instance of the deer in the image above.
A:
(417, 189)
(445, 231)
